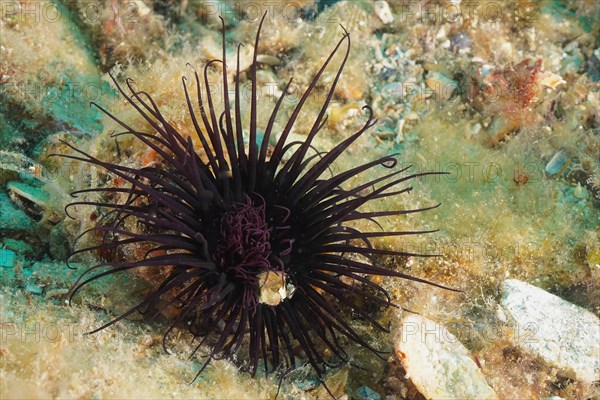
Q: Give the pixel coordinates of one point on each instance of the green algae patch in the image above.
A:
(46, 83)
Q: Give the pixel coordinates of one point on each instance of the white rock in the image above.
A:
(382, 10)
(566, 336)
(550, 80)
(439, 365)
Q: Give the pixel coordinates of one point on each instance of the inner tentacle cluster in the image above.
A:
(244, 248)
(255, 240)
(244, 251)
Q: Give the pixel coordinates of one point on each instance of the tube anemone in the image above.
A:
(254, 242)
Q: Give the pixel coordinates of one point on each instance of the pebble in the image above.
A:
(461, 42)
(442, 86)
(382, 10)
(550, 80)
(557, 162)
(55, 293)
(34, 194)
(566, 336)
(18, 246)
(35, 289)
(7, 258)
(366, 393)
(436, 362)
(267, 59)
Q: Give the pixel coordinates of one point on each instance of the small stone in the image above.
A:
(566, 336)
(56, 293)
(580, 192)
(31, 193)
(18, 246)
(366, 393)
(7, 258)
(35, 289)
(500, 315)
(382, 10)
(593, 257)
(461, 42)
(441, 34)
(272, 287)
(267, 59)
(557, 162)
(439, 365)
(441, 85)
(400, 131)
(551, 80)
(336, 383)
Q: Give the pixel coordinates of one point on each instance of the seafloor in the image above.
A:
(502, 95)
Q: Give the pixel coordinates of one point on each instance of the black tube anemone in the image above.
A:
(236, 228)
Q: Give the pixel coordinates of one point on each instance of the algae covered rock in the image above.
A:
(11, 218)
(566, 336)
(437, 363)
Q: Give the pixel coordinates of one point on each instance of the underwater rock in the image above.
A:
(273, 289)
(11, 218)
(461, 42)
(438, 364)
(551, 80)
(45, 87)
(124, 31)
(441, 85)
(12, 164)
(557, 162)
(366, 393)
(7, 258)
(33, 289)
(336, 384)
(566, 336)
(33, 200)
(18, 246)
(383, 12)
(56, 293)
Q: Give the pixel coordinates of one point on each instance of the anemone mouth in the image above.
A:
(250, 244)
(255, 240)
(244, 246)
